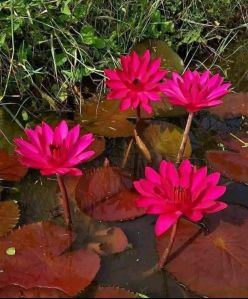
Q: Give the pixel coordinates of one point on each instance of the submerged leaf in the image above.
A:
(39, 260)
(107, 241)
(213, 265)
(9, 216)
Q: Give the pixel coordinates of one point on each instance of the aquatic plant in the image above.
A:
(199, 237)
(55, 151)
(173, 193)
(195, 91)
(137, 83)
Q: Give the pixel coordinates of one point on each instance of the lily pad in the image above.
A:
(163, 141)
(159, 48)
(39, 260)
(104, 118)
(98, 146)
(110, 292)
(9, 216)
(234, 105)
(10, 168)
(106, 194)
(213, 265)
(18, 292)
(232, 164)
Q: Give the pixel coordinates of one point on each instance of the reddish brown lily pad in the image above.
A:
(18, 292)
(232, 164)
(10, 167)
(106, 194)
(234, 105)
(98, 146)
(213, 265)
(33, 256)
(9, 216)
(111, 292)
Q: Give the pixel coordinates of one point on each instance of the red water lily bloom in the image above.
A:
(172, 193)
(54, 151)
(137, 83)
(195, 91)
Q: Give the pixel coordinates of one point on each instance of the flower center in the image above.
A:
(182, 197)
(55, 151)
(136, 81)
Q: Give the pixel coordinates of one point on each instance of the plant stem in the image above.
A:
(185, 138)
(138, 115)
(127, 152)
(164, 258)
(65, 201)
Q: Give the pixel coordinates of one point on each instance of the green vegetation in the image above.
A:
(48, 46)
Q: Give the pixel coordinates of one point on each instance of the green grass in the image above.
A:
(48, 47)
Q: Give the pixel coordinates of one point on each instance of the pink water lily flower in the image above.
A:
(172, 193)
(137, 83)
(54, 151)
(195, 91)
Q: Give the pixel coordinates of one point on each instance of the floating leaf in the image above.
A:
(234, 105)
(39, 260)
(213, 265)
(109, 292)
(106, 194)
(164, 140)
(159, 48)
(10, 167)
(18, 292)
(9, 216)
(104, 118)
(233, 165)
(98, 146)
(107, 241)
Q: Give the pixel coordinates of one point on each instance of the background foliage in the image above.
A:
(47, 47)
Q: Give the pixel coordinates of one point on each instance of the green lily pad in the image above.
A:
(163, 141)
(170, 59)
